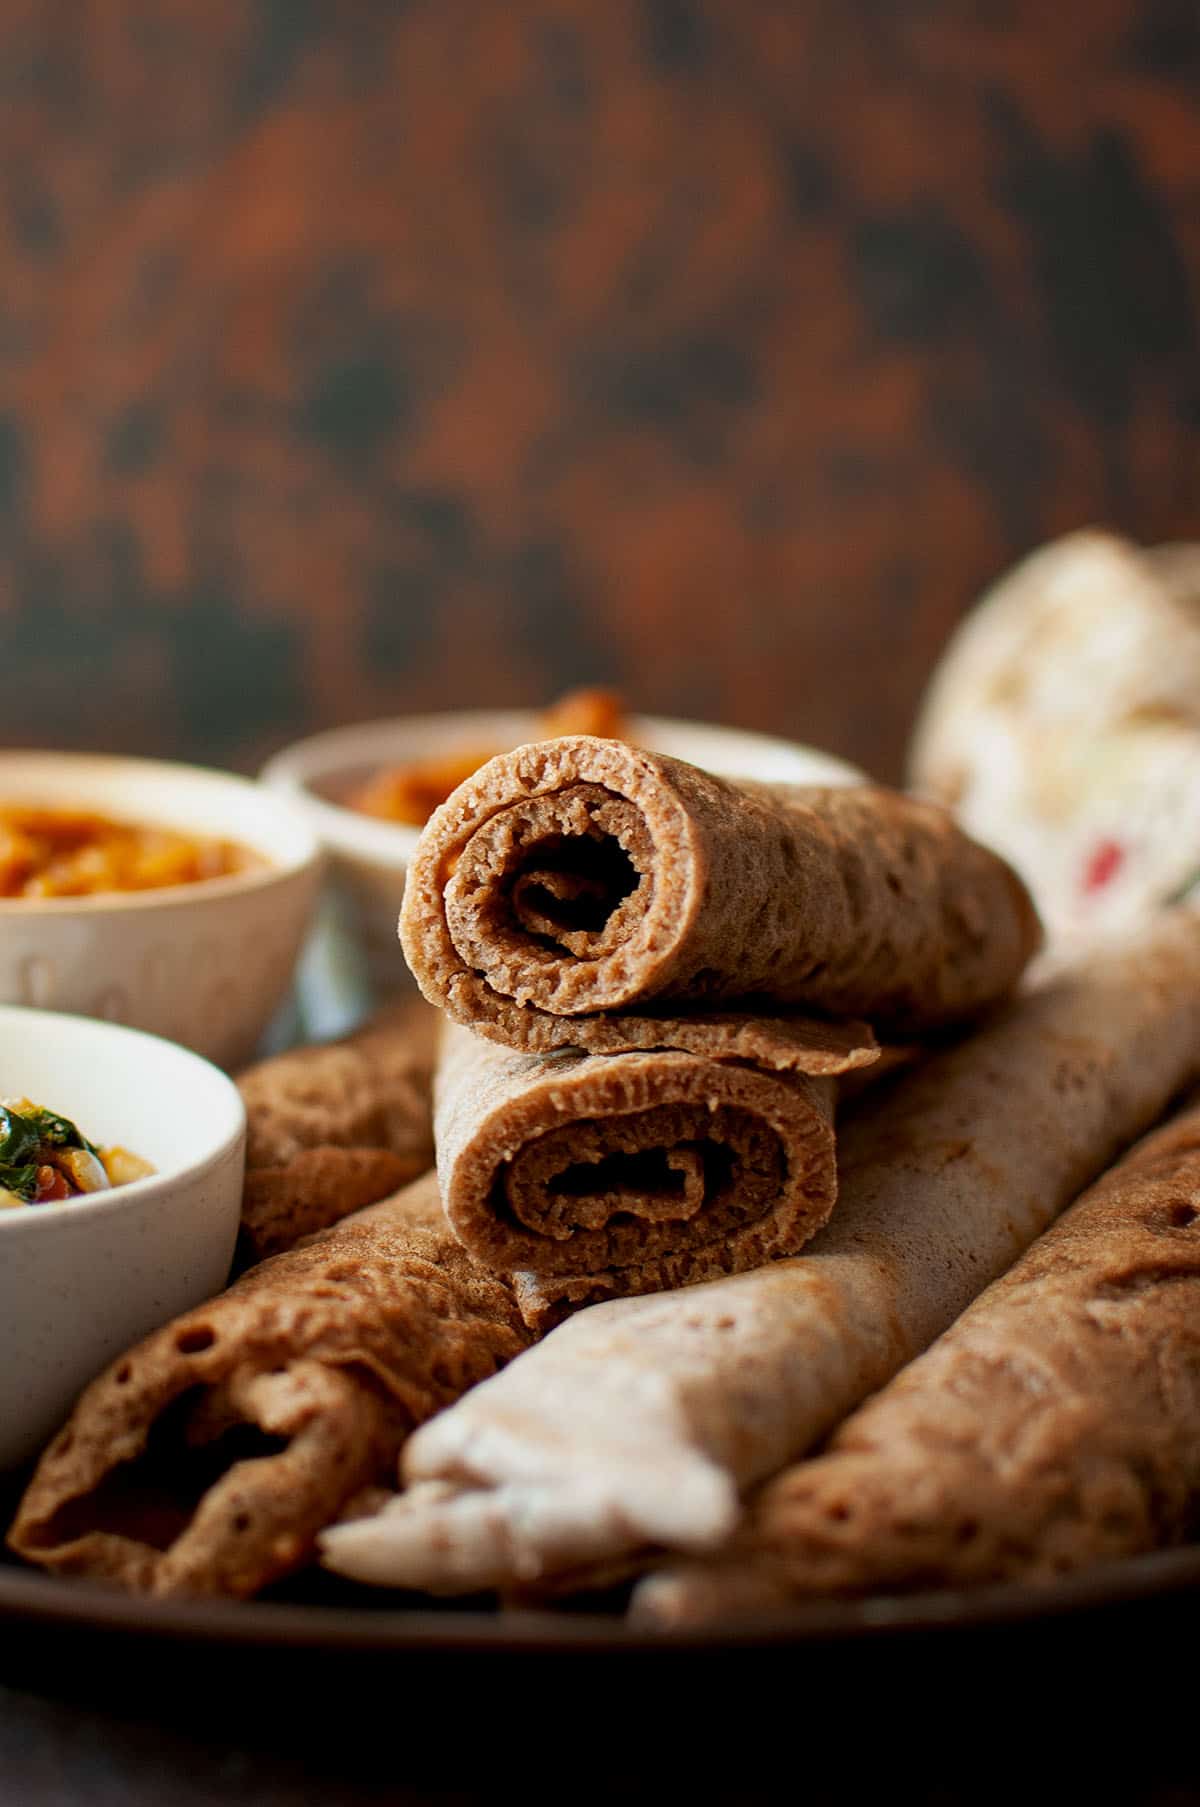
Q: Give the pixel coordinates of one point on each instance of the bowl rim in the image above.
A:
(94, 1207)
(274, 870)
(292, 771)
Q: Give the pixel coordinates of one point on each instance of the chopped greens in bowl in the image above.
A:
(45, 1159)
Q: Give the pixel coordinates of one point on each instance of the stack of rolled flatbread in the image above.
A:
(641, 1426)
(671, 1210)
(652, 979)
(638, 1426)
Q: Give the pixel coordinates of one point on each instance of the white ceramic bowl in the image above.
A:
(369, 857)
(81, 1281)
(207, 964)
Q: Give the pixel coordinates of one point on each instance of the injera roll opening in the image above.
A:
(592, 1176)
(206, 1459)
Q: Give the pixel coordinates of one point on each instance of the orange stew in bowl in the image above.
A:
(410, 793)
(48, 852)
(45, 1160)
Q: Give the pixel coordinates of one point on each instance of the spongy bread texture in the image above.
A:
(592, 1176)
(638, 1422)
(318, 1362)
(334, 1127)
(579, 876)
(1055, 1425)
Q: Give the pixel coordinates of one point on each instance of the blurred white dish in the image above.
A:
(82, 1280)
(369, 857)
(204, 964)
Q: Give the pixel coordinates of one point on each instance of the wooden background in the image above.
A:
(362, 357)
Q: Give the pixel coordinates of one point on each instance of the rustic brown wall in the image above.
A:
(370, 356)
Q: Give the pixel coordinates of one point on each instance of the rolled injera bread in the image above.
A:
(581, 876)
(1062, 726)
(206, 1460)
(592, 1176)
(638, 1422)
(334, 1127)
(1055, 1425)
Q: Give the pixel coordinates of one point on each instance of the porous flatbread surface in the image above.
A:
(593, 1176)
(1055, 1425)
(639, 1422)
(334, 1127)
(206, 1459)
(579, 876)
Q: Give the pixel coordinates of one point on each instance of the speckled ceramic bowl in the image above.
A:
(81, 1281)
(368, 858)
(206, 964)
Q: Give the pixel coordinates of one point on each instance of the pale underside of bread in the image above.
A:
(206, 1459)
(575, 886)
(1055, 1425)
(640, 1422)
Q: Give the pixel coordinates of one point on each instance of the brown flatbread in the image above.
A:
(638, 1422)
(593, 1176)
(579, 876)
(334, 1127)
(206, 1460)
(1055, 1425)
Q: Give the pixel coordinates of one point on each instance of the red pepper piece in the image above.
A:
(52, 1186)
(1104, 862)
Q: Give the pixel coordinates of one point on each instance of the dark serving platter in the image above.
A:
(321, 1613)
(301, 1661)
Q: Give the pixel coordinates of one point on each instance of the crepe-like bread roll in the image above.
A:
(1056, 1424)
(1062, 726)
(638, 1422)
(592, 1176)
(579, 876)
(206, 1460)
(334, 1127)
